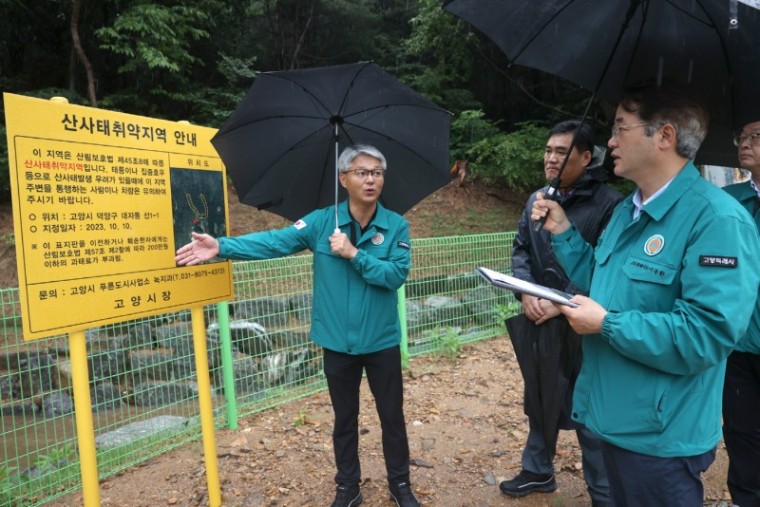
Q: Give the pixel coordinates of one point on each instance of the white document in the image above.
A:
(515, 284)
(751, 3)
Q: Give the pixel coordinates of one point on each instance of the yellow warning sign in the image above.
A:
(101, 201)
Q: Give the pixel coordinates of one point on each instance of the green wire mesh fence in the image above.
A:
(142, 373)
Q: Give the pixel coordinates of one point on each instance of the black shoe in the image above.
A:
(403, 495)
(347, 496)
(527, 482)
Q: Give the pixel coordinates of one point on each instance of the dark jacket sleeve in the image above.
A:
(589, 208)
(521, 247)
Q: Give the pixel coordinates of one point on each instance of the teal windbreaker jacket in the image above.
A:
(355, 302)
(747, 197)
(679, 283)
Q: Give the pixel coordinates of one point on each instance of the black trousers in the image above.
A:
(344, 376)
(741, 427)
(638, 480)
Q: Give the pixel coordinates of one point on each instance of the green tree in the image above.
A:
(288, 34)
(153, 45)
(152, 36)
(467, 128)
(195, 59)
(438, 58)
(513, 159)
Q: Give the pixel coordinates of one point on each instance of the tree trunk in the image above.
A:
(74, 25)
(72, 70)
(294, 59)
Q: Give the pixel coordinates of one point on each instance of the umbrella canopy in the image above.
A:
(280, 144)
(549, 356)
(602, 45)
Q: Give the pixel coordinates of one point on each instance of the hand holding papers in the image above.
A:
(515, 284)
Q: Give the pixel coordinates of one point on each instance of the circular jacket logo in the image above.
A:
(378, 239)
(654, 245)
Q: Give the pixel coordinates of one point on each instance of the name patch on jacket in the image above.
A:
(401, 244)
(714, 261)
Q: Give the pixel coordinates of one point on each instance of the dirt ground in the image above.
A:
(464, 417)
(466, 430)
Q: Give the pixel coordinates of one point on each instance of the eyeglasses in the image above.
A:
(753, 138)
(617, 129)
(363, 173)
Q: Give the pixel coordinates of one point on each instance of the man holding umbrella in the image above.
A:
(662, 313)
(357, 269)
(589, 201)
(741, 392)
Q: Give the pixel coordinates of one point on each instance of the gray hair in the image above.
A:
(350, 154)
(671, 103)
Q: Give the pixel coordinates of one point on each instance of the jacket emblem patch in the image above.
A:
(654, 245)
(378, 239)
(299, 225)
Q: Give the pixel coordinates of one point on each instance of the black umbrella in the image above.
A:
(549, 356)
(602, 45)
(280, 145)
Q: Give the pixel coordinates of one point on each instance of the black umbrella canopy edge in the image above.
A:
(337, 121)
(731, 102)
(324, 111)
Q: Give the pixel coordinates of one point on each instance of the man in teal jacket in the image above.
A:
(741, 392)
(357, 270)
(672, 284)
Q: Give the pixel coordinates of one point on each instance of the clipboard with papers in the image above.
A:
(515, 284)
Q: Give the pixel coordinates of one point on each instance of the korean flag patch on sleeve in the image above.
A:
(299, 225)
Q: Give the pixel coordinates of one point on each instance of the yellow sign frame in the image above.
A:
(98, 213)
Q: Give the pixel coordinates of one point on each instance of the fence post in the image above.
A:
(228, 367)
(402, 320)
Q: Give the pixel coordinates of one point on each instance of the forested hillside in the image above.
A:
(194, 60)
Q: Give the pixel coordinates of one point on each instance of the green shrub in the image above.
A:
(513, 160)
(448, 344)
(468, 128)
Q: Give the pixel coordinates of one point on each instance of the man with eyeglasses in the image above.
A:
(741, 391)
(586, 198)
(358, 268)
(672, 283)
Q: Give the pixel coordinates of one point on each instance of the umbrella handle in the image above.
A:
(549, 195)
